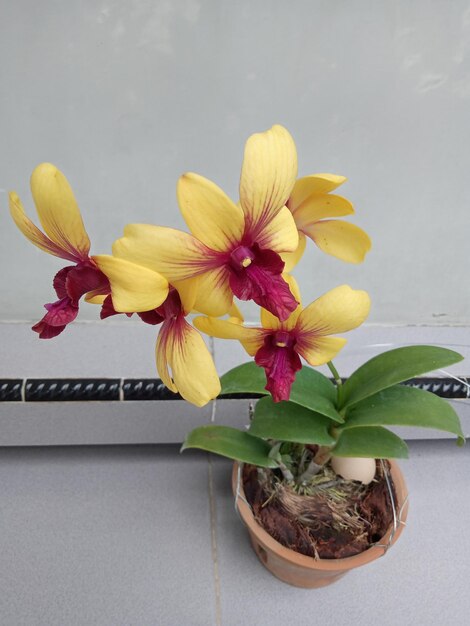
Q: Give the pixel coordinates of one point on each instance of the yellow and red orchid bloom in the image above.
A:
(64, 236)
(184, 362)
(277, 346)
(233, 249)
(313, 206)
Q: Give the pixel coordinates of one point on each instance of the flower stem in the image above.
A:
(312, 469)
(287, 474)
(338, 381)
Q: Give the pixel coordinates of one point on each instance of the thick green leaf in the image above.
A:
(404, 406)
(288, 421)
(230, 442)
(372, 442)
(245, 378)
(310, 389)
(395, 366)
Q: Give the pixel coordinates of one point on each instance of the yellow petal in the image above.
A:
(210, 214)
(161, 359)
(315, 208)
(292, 258)
(314, 184)
(93, 298)
(345, 241)
(251, 338)
(193, 370)
(319, 350)
(58, 210)
(32, 232)
(293, 286)
(134, 288)
(188, 290)
(279, 234)
(170, 252)
(214, 294)
(268, 320)
(268, 175)
(252, 346)
(337, 311)
(235, 315)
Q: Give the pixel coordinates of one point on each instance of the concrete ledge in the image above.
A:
(123, 350)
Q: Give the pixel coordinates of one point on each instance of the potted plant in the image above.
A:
(315, 477)
(316, 481)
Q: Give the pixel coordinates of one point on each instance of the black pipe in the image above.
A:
(115, 389)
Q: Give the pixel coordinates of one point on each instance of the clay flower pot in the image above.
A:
(304, 571)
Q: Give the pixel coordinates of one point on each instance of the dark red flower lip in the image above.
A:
(281, 363)
(59, 315)
(256, 274)
(70, 284)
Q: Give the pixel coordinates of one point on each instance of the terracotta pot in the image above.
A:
(304, 571)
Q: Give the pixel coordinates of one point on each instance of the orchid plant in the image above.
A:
(246, 250)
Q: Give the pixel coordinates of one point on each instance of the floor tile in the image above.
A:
(98, 423)
(121, 536)
(105, 536)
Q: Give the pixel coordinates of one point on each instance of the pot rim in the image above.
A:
(293, 557)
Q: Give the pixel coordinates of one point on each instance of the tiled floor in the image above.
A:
(126, 536)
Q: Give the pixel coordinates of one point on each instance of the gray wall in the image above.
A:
(125, 96)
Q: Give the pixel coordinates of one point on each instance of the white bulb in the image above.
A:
(354, 468)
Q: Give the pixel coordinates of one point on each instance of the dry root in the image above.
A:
(325, 517)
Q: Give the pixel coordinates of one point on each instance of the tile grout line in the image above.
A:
(212, 512)
(215, 560)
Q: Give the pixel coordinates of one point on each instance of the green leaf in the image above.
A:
(371, 442)
(310, 389)
(288, 421)
(230, 442)
(395, 366)
(404, 406)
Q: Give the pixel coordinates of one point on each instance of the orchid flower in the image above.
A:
(277, 346)
(312, 206)
(64, 236)
(233, 249)
(184, 362)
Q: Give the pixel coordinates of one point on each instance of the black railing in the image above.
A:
(115, 389)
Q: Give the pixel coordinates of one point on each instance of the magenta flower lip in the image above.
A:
(261, 281)
(280, 362)
(70, 284)
(283, 339)
(241, 258)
